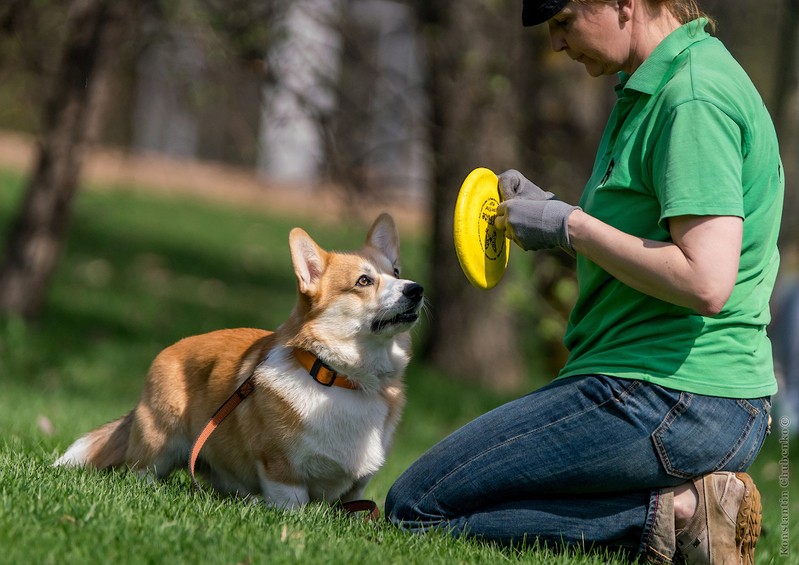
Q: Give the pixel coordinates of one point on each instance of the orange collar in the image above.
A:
(320, 372)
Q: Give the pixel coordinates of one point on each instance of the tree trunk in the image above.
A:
(37, 233)
(474, 115)
(786, 114)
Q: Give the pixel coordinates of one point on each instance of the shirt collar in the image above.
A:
(649, 76)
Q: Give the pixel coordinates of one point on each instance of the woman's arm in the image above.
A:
(697, 271)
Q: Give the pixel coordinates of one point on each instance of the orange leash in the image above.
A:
(248, 387)
(355, 506)
(245, 389)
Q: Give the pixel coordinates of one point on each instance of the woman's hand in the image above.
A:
(535, 224)
(513, 184)
(531, 216)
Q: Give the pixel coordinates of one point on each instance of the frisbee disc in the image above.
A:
(482, 250)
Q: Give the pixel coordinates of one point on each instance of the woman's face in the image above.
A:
(594, 35)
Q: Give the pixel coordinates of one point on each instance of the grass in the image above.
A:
(140, 272)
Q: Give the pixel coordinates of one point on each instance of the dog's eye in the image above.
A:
(364, 281)
(396, 272)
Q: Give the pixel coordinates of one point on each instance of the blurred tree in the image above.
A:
(198, 75)
(343, 104)
(375, 139)
(93, 32)
(501, 98)
(474, 113)
(786, 115)
(564, 113)
(95, 42)
(300, 97)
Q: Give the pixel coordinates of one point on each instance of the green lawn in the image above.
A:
(140, 272)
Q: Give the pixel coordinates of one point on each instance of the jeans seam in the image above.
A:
(737, 446)
(658, 544)
(650, 518)
(756, 445)
(627, 391)
(748, 406)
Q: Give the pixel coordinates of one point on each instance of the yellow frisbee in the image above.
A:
(482, 250)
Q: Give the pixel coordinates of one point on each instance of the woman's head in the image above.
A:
(609, 36)
(535, 12)
(684, 11)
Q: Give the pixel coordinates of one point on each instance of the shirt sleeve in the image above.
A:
(698, 163)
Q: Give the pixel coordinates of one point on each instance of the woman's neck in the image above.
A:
(649, 29)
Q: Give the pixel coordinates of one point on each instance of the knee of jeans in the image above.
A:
(396, 510)
(404, 509)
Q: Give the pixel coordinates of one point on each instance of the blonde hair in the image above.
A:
(684, 10)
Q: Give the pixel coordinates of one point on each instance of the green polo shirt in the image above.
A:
(689, 135)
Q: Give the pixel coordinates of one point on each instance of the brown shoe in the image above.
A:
(726, 525)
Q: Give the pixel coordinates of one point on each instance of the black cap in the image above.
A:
(536, 12)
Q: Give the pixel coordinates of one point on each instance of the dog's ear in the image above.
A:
(309, 261)
(384, 237)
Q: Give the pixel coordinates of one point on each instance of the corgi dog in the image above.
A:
(298, 437)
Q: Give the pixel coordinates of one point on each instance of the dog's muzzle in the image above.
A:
(412, 297)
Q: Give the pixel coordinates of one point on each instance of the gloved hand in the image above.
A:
(536, 224)
(513, 184)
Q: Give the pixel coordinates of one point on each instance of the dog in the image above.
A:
(298, 437)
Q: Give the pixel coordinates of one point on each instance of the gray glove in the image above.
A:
(513, 184)
(536, 224)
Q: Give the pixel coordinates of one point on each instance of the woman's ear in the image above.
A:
(625, 10)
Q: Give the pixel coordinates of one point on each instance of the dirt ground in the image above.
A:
(112, 169)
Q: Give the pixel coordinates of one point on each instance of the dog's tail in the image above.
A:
(101, 448)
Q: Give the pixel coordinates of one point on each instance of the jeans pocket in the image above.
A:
(703, 434)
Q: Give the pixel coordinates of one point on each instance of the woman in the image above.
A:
(642, 441)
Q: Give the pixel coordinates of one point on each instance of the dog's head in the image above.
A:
(353, 302)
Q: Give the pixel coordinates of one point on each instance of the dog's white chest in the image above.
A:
(344, 435)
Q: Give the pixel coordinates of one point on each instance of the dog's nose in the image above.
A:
(413, 291)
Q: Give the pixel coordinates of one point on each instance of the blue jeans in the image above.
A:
(584, 460)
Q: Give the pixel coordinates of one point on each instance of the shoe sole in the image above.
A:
(747, 525)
